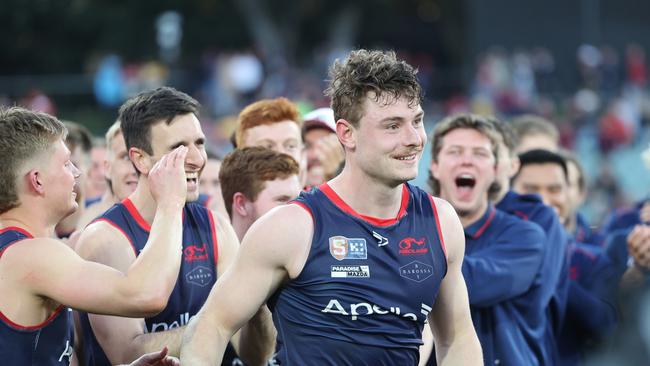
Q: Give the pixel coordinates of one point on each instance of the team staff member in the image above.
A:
(530, 207)
(503, 256)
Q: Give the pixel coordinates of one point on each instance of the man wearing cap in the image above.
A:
(324, 152)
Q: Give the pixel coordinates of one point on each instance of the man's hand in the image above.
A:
(167, 179)
(159, 358)
(330, 153)
(638, 245)
(644, 214)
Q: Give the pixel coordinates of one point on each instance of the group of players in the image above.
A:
(311, 248)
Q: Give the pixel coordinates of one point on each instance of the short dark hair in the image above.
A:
(246, 170)
(140, 113)
(366, 71)
(541, 156)
(570, 157)
(23, 136)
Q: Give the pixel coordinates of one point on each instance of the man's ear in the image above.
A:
(34, 179)
(514, 166)
(345, 131)
(433, 169)
(240, 204)
(141, 160)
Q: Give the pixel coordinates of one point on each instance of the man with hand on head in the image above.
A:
(153, 123)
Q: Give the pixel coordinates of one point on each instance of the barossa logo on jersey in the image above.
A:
(412, 246)
(201, 276)
(193, 253)
(416, 271)
(354, 311)
(348, 248)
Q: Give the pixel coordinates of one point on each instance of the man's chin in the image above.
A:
(192, 197)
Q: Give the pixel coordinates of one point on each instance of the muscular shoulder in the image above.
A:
(30, 255)
(284, 234)
(451, 229)
(102, 242)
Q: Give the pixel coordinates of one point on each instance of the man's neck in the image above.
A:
(240, 225)
(143, 201)
(33, 221)
(503, 190)
(367, 196)
(470, 218)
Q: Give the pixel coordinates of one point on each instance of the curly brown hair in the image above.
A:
(363, 72)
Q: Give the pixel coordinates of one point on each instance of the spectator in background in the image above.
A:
(120, 176)
(503, 255)
(534, 132)
(79, 142)
(324, 151)
(274, 124)
(209, 185)
(96, 181)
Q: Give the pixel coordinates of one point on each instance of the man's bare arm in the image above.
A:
(272, 252)
(255, 341)
(450, 320)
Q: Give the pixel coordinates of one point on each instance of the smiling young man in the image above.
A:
(37, 271)
(153, 123)
(355, 267)
(503, 255)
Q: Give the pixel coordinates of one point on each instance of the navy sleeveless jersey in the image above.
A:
(195, 279)
(47, 343)
(367, 286)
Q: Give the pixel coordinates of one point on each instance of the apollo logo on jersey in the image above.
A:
(348, 248)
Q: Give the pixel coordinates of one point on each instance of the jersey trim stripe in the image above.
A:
(207, 202)
(338, 201)
(18, 229)
(305, 207)
(106, 220)
(435, 214)
(136, 215)
(213, 230)
(32, 327)
(485, 225)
